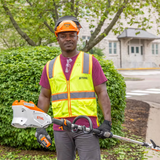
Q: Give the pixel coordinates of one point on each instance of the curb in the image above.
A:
(153, 129)
(125, 69)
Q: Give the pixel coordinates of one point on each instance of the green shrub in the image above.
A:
(116, 90)
(96, 51)
(20, 72)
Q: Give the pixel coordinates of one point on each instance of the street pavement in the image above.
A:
(147, 88)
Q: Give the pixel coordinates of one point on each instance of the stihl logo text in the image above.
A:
(38, 117)
(66, 25)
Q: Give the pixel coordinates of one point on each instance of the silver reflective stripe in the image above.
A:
(59, 96)
(64, 96)
(51, 63)
(86, 63)
(83, 95)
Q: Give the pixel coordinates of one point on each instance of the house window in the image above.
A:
(84, 39)
(137, 49)
(154, 48)
(112, 47)
(128, 49)
(141, 50)
(132, 49)
(115, 47)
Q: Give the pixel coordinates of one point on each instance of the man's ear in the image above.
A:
(57, 39)
(77, 37)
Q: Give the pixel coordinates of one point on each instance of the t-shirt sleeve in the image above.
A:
(44, 79)
(97, 73)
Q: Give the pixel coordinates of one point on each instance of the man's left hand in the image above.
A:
(43, 137)
(104, 127)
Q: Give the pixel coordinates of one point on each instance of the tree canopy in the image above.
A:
(31, 22)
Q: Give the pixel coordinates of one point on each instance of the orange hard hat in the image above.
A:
(67, 25)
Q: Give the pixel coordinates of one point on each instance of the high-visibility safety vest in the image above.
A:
(76, 96)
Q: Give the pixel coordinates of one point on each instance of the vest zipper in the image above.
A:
(69, 98)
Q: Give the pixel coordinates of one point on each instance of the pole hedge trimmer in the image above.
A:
(29, 115)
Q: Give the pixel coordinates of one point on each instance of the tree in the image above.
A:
(34, 20)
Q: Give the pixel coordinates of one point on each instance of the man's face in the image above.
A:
(67, 41)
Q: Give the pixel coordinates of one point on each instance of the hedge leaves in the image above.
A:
(20, 72)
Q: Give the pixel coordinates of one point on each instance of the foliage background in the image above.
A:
(32, 22)
(20, 72)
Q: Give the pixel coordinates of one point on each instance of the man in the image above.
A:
(72, 79)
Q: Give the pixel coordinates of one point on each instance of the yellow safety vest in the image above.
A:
(76, 96)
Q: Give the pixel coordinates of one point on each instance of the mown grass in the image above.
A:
(133, 79)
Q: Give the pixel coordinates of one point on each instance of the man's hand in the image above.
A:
(43, 138)
(104, 127)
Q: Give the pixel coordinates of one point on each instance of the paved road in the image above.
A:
(145, 89)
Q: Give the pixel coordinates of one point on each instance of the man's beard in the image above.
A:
(69, 50)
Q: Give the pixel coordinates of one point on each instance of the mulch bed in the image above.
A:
(136, 117)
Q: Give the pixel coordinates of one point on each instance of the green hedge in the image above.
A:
(20, 72)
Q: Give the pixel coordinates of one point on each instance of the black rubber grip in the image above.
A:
(57, 121)
(105, 134)
(145, 144)
(96, 131)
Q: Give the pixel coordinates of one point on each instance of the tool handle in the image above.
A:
(57, 121)
(84, 129)
(106, 134)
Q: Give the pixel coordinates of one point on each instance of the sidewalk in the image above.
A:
(130, 69)
(153, 130)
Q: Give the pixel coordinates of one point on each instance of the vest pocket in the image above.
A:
(84, 107)
(60, 109)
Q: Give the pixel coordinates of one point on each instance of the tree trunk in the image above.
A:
(5, 43)
(95, 41)
(18, 29)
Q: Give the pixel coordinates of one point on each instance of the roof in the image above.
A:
(137, 33)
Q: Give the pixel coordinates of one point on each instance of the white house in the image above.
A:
(133, 48)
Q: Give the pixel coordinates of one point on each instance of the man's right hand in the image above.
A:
(43, 138)
(104, 127)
